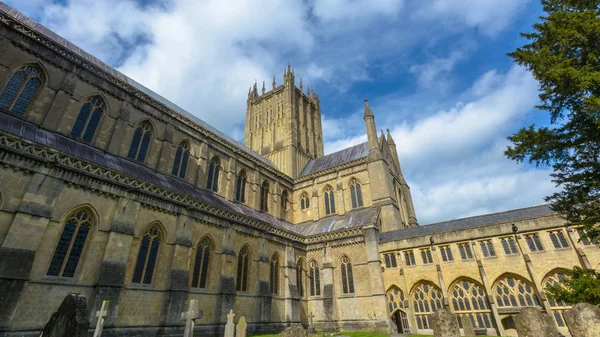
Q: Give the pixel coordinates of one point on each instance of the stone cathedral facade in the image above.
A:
(111, 191)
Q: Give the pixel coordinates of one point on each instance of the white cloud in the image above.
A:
(435, 72)
(354, 9)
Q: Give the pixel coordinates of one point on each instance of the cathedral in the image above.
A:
(111, 191)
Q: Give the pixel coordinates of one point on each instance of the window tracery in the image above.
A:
(329, 200)
(347, 277)
(469, 299)
(240, 187)
(70, 244)
(395, 299)
(21, 89)
(427, 298)
(140, 142)
(201, 264)
(515, 292)
(242, 270)
(558, 307)
(88, 119)
(304, 201)
(146, 261)
(212, 183)
(181, 160)
(314, 279)
(355, 193)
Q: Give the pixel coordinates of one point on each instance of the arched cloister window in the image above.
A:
(427, 298)
(240, 186)
(141, 141)
(201, 263)
(242, 270)
(264, 197)
(21, 89)
(355, 193)
(513, 291)
(181, 159)
(304, 201)
(70, 245)
(329, 200)
(146, 261)
(347, 276)
(300, 277)
(213, 174)
(314, 279)
(274, 275)
(395, 299)
(469, 299)
(89, 116)
(558, 307)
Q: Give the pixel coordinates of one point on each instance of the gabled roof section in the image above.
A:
(115, 74)
(466, 223)
(336, 159)
(353, 219)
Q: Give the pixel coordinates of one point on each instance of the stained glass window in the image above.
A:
(515, 292)
(355, 194)
(274, 280)
(469, 299)
(487, 248)
(21, 89)
(71, 243)
(347, 277)
(446, 253)
(146, 261)
(395, 299)
(304, 201)
(181, 160)
(427, 298)
(558, 307)
(465, 251)
(558, 239)
(390, 260)
(240, 186)
(409, 257)
(242, 270)
(214, 168)
(140, 142)
(426, 256)
(534, 243)
(264, 197)
(89, 116)
(201, 264)
(300, 277)
(329, 201)
(315, 282)
(509, 245)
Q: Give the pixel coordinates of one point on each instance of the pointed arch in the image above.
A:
(347, 275)
(203, 248)
(511, 290)
(242, 269)
(314, 278)
(284, 203)
(88, 118)
(304, 201)
(22, 88)
(274, 274)
(558, 307)
(355, 193)
(214, 169)
(395, 299)
(264, 196)
(148, 253)
(77, 224)
(240, 186)
(140, 143)
(469, 299)
(427, 298)
(182, 156)
(300, 276)
(329, 199)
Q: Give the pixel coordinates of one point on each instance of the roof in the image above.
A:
(466, 223)
(47, 33)
(23, 129)
(353, 219)
(335, 159)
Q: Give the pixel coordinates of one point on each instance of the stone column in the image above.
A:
(226, 288)
(329, 299)
(408, 304)
(265, 297)
(292, 297)
(379, 301)
(490, 296)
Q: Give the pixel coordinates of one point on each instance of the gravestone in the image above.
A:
(583, 320)
(230, 327)
(444, 324)
(240, 327)
(101, 314)
(189, 316)
(467, 326)
(70, 320)
(311, 327)
(293, 331)
(532, 322)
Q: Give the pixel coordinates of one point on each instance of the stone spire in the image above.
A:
(301, 87)
(263, 89)
(371, 128)
(274, 84)
(393, 150)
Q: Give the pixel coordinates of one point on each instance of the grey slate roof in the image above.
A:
(41, 29)
(353, 219)
(465, 223)
(20, 128)
(335, 159)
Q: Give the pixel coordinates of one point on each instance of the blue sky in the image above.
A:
(435, 73)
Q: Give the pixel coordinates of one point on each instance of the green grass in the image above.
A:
(363, 334)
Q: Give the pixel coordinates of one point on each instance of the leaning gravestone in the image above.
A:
(240, 327)
(532, 322)
(70, 320)
(467, 326)
(444, 324)
(293, 331)
(583, 320)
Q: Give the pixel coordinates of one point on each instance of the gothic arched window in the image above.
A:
(264, 197)
(395, 299)
(181, 159)
(284, 202)
(213, 174)
(146, 261)
(304, 201)
(355, 194)
(89, 116)
(21, 89)
(469, 299)
(140, 142)
(71, 243)
(274, 279)
(240, 187)
(300, 277)
(201, 264)
(242, 270)
(329, 200)
(314, 279)
(427, 298)
(347, 278)
(515, 292)
(558, 307)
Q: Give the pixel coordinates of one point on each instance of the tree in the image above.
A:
(563, 55)
(579, 285)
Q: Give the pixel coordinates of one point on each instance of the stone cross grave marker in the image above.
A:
(240, 327)
(532, 322)
(229, 327)
(583, 320)
(189, 316)
(467, 326)
(101, 314)
(311, 328)
(444, 324)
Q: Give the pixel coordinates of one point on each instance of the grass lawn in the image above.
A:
(351, 334)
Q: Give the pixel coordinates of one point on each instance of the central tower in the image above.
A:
(284, 124)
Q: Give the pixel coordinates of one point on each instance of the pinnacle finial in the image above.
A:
(390, 140)
(263, 88)
(274, 84)
(301, 85)
(368, 112)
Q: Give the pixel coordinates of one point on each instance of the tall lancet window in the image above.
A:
(314, 279)
(89, 116)
(300, 277)
(71, 243)
(355, 193)
(240, 186)
(347, 277)
(201, 264)
(21, 89)
(181, 159)
(304, 201)
(213, 174)
(140, 142)
(241, 283)
(264, 197)
(329, 200)
(284, 203)
(146, 261)
(274, 280)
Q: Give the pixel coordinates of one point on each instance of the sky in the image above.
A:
(435, 72)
